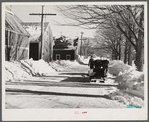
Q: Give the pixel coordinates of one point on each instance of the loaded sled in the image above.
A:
(99, 71)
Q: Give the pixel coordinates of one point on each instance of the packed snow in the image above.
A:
(117, 67)
(130, 81)
(127, 76)
(127, 98)
(14, 71)
(83, 60)
(60, 65)
(19, 70)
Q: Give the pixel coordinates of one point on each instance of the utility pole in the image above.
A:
(81, 42)
(42, 29)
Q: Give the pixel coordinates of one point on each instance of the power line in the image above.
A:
(42, 28)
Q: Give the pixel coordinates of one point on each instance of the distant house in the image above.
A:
(65, 48)
(16, 38)
(34, 28)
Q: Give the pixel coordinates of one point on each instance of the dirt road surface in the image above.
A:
(69, 89)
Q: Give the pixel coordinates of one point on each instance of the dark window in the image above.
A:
(58, 57)
(68, 57)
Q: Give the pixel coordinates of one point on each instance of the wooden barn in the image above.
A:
(65, 48)
(34, 28)
(16, 38)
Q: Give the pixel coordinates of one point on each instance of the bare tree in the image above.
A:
(129, 20)
(86, 45)
(110, 39)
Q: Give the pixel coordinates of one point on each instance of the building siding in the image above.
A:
(16, 38)
(63, 54)
(35, 31)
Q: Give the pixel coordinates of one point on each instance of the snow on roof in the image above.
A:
(12, 23)
(34, 28)
(35, 24)
(67, 37)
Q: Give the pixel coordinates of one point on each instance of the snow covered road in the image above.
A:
(69, 89)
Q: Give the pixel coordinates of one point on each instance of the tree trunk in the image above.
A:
(139, 58)
(125, 53)
(113, 55)
(130, 55)
(139, 47)
(119, 49)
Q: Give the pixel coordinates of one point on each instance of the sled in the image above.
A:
(97, 81)
(99, 73)
(105, 82)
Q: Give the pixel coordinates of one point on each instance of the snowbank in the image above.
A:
(60, 65)
(133, 82)
(14, 71)
(127, 99)
(67, 63)
(19, 70)
(117, 67)
(83, 60)
(129, 81)
(126, 76)
(56, 66)
(43, 68)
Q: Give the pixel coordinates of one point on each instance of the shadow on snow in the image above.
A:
(27, 92)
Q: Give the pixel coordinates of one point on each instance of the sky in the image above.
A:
(23, 11)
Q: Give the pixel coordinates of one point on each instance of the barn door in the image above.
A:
(34, 51)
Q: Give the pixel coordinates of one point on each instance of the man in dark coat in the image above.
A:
(91, 62)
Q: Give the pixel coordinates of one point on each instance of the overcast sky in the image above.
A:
(23, 11)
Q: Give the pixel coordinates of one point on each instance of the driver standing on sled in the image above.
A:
(91, 62)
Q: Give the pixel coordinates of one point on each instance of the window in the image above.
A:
(57, 56)
(68, 57)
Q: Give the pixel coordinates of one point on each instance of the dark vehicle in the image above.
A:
(100, 68)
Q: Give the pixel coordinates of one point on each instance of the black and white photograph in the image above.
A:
(74, 61)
